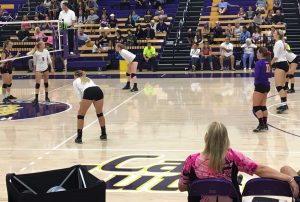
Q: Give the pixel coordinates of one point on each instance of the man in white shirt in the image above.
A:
(226, 53)
(69, 18)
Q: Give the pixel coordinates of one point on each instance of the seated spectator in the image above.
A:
(149, 55)
(83, 38)
(244, 35)
(125, 4)
(241, 14)
(148, 16)
(53, 10)
(223, 6)
(229, 31)
(198, 39)
(217, 156)
(162, 15)
(104, 12)
(81, 18)
(104, 22)
(139, 33)
(2, 17)
(270, 36)
(276, 5)
(218, 31)
(249, 49)
(261, 6)
(130, 22)
(23, 34)
(195, 54)
(278, 19)
(118, 38)
(25, 25)
(41, 11)
(190, 36)
(131, 40)
(47, 4)
(149, 33)
(34, 25)
(39, 35)
(258, 19)
(251, 27)
(211, 38)
(97, 47)
(92, 5)
(159, 11)
(250, 13)
(161, 26)
(92, 17)
(139, 3)
(153, 25)
(269, 18)
(237, 30)
(156, 4)
(257, 36)
(103, 40)
(226, 53)
(47, 25)
(112, 22)
(135, 17)
(206, 30)
(206, 54)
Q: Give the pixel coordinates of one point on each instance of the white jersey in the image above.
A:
(79, 86)
(279, 51)
(41, 60)
(290, 56)
(128, 56)
(228, 46)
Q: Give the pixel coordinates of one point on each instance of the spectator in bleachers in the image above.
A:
(53, 10)
(2, 17)
(258, 19)
(130, 22)
(130, 39)
(241, 14)
(118, 38)
(41, 11)
(92, 4)
(276, 5)
(23, 34)
(139, 33)
(47, 25)
(211, 38)
(229, 31)
(104, 22)
(113, 22)
(161, 26)
(39, 35)
(81, 18)
(198, 39)
(218, 31)
(25, 25)
(92, 17)
(278, 18)
(226, 53)
(269, 18)
(223, 6)
(206, 30)
(135, 16)
(162, 15)
(149, 55)
(103, 39)
(270, 39)
(250, 13)
(47, 4)
(34, 25)
(159, 11)
(104, 12)
(125, 4)
(153, 25)
(261, 6)
(249, 49)
(206, 54)
(237, 30)
(149, 33)
(257, 36)
(140, 3)
(195, 55)
(148, 16)
(83, 38)
(251, 27)
(190, 36)
(156, 4)
(244, 35)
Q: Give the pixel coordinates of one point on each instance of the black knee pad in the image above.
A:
(46, 85)
(256, 109)
(133, 75)
(127, 74)
(9, 85)
(291, 76)
(279, 88)
(99, 115)
(263, 108)
(80, 117)
(4, 85)
(37, 86)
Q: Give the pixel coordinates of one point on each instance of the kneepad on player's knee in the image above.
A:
(46, 85)
(37, 86)
(4, 85)
(100, 115)
(256, 109)
(263, 108)
(9, 85)
(127, 74)
(133, 75)
(279, 88)
(81, 117)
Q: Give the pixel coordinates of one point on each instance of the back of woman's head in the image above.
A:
(265, 53)
(82, 75)
(216, 145)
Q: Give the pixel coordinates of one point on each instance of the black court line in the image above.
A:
(287, 132)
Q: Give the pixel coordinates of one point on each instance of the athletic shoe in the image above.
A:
(103, 137)
(134, 89)
(11, 97)
(258, 129)
(6, 101)
(78, 139)
(291, 91)
(266, 127)
(35, 101)
(126, 87)
(282, 109)
(281, 106)
(47, 99)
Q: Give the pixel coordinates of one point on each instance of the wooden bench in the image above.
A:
(227, 21)
(7, 6)
(142, 19)
(223, 16)
(94, 55)
(85, 48)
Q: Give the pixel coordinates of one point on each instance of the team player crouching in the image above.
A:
(89, 93)
(293, 60)
(262, 87)
(132, 61)
(41, 62)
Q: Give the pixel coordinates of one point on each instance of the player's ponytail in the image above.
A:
(82, 75)
(5, 44)
(121, 46)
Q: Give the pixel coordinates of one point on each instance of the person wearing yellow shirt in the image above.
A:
(149, 55)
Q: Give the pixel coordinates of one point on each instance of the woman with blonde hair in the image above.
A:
(89, 93)
(39, 35)
(218, 160)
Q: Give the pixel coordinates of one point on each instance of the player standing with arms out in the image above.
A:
(132, 61)
(6, 71)
(279, 62)
(262, 87)
(41, 62)
(293, 60)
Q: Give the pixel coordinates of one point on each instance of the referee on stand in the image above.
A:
(68, 17)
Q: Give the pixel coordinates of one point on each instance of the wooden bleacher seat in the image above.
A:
(7, 6)
(261, 26)
(101, 55)
(142, 19)
(227, 21)
(223, 16)
(85, 48)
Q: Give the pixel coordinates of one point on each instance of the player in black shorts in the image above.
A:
(293, 60)
(6, 71)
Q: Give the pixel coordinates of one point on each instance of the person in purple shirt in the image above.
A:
(262, 87)
(161, 26)
(41, 11)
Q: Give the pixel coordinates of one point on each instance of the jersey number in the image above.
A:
(268, 68)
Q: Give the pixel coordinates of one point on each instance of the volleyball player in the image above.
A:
(262, 87)
(293, 60)
(132, 61)
(89, 93)
(279, 62)
(6, 71)
(41, 63)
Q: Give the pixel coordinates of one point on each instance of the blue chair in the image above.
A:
(212, 187)
(266, 186)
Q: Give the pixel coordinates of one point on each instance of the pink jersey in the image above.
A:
(196, 167)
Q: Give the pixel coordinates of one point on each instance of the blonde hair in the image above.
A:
(36, 30)
(82, 75)
(33, 50)
(122, 46)
(216, 145)
(5, 44)
(280, 34)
